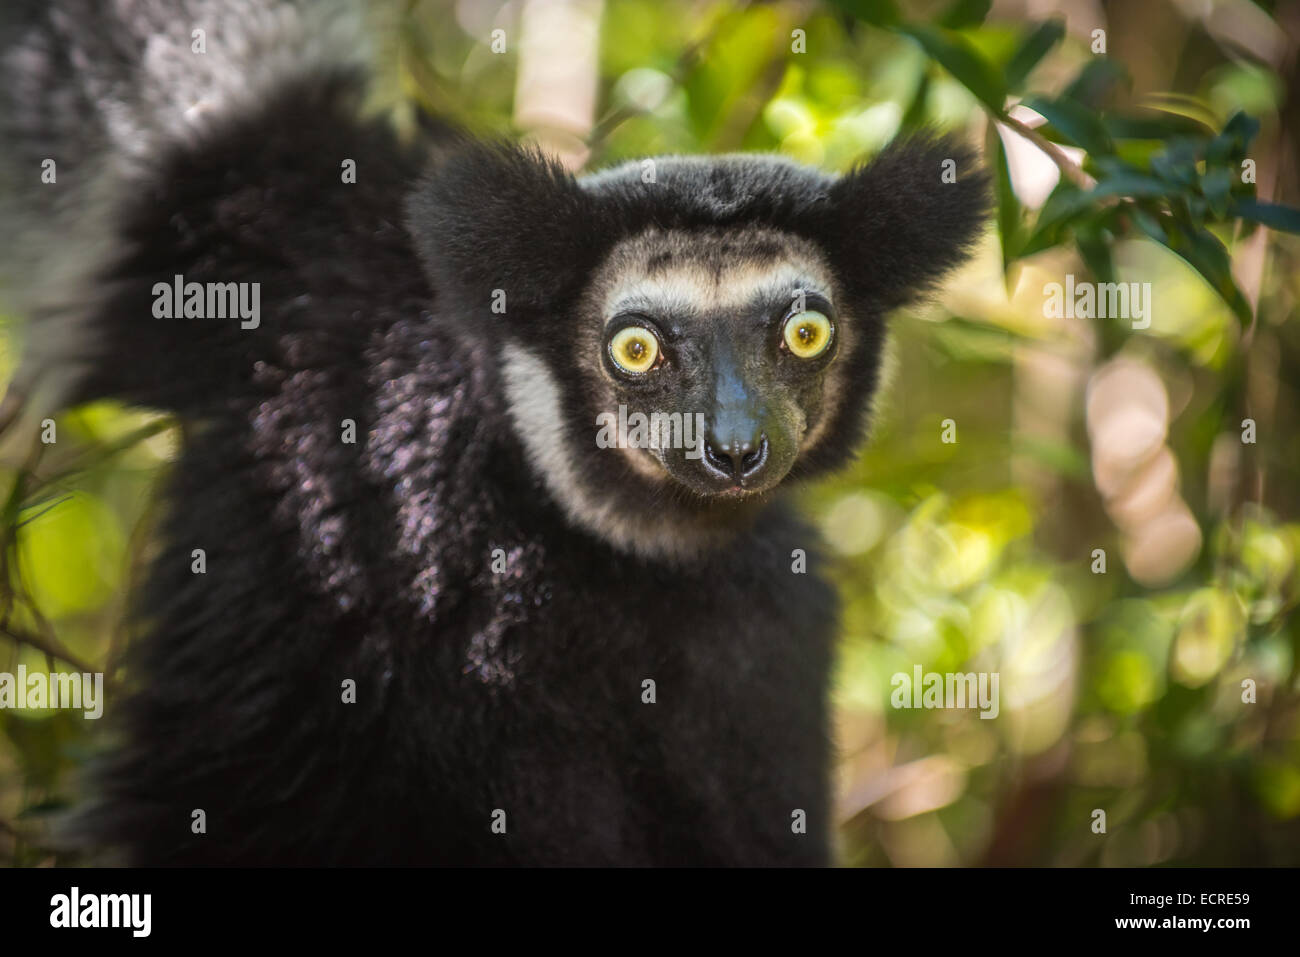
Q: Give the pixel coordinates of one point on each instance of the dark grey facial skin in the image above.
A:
(717, 305)
(731, 365)
(715, 302)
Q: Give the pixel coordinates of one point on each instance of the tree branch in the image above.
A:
(1068, 167)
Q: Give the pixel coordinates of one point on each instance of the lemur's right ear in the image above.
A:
(495, 216)
(903, 220)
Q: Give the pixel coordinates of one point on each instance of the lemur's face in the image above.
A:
(708, 357)
(677, 337)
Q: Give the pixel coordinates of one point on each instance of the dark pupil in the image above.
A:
(635, 349)
(807, 334)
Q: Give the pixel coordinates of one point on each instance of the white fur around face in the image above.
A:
(689, 287)
(626, 281)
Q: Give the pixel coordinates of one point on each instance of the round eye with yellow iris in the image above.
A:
(807, 334)
(634, 349)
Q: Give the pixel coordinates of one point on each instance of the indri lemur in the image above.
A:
(499, 586)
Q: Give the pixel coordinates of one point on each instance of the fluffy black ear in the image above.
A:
(905, 218)
(494, 216)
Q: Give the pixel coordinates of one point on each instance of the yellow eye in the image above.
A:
(807, 334)
(634, 349)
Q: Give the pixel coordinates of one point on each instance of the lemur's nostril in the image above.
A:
(737, 460)
(720, 458)
(752, 463)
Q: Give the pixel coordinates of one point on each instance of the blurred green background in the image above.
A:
(1148, 152)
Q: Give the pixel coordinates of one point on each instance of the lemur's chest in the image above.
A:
(630, 713)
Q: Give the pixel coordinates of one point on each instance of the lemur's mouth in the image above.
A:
(733, 491)
(739, 491)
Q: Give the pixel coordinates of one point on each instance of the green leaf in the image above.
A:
(1204, 253)
(1231, 144)
(1241, 128)
(1130, 184)
(1135, 154)
(1034, 47)
(1149, 223)
(1105, 166)
(1272, 215)
(955, 54)
(1078, 123)
(1093, 84)
(1095, 251)
(965, 13)
(72, 554)
(1009, 214)
(1195, 108)
(1062, 208)
(1215, 187)
(1197, 207)
(915, 116)
(1153, 125)
(1177, 163)
(881, 13)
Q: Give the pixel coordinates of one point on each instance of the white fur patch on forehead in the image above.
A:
(688, 272)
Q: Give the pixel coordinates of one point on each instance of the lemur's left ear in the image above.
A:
(495, 216)
(904, 219)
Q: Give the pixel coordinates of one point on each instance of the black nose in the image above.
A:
(736, 459)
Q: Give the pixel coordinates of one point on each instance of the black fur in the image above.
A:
(476, 691)
(498, 216)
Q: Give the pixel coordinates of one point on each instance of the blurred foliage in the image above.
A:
(1120, 160)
